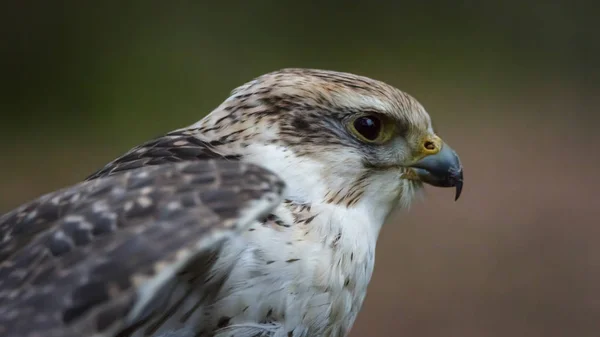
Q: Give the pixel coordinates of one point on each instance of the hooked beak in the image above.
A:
(442, 169)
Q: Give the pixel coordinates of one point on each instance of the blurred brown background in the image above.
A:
(511, 86)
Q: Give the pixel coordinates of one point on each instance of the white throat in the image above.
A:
(310, 182)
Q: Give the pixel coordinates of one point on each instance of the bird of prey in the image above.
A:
(261, 219)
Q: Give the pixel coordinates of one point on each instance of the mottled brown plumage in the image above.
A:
(78, 255)
(187, 231)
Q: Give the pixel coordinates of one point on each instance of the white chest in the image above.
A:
(307, 278)
(299, 277)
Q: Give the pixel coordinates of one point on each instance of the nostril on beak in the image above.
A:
(429, 145)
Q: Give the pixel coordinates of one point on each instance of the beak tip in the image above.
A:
(458, 187)
(458, 182)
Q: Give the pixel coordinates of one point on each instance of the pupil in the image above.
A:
(368, 127)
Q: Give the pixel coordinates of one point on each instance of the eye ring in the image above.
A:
(368, 127)
(372, 128)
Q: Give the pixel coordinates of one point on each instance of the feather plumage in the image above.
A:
(187, 234)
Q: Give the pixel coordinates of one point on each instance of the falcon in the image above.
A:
(261, 219)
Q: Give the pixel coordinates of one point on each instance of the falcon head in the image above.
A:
(335, 138)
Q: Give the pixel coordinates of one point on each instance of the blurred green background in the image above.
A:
(511, 86)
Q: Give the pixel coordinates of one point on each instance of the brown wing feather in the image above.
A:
(71, 261)
(176, 146)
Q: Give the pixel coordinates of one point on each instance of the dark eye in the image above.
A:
(368, 127)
